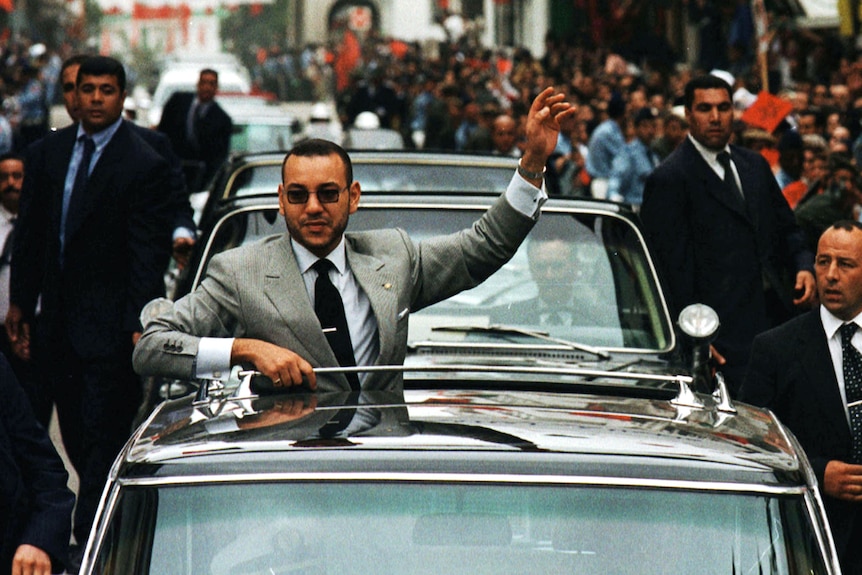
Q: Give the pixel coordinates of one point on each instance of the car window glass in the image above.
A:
(584, 278)
(330, 527)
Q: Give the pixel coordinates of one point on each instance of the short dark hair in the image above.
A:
(75, 60)
(320, 147)
(11, 156)
(103, 66)
(846, 225)
(705, 82)
(209, 71)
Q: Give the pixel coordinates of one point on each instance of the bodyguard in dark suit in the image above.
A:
(199, 129)
(93, 243)
(731, 243)
(805, 374)
(185, 229)
(35, 504)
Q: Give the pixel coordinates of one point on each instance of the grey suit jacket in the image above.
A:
(256, 291)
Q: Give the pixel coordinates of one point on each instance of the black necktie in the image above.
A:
(80, 186)
(83, 173)
(729, 178)
(852, 360)
(330, 311)
(6, 254)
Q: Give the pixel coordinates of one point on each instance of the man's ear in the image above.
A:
(354, 192)
(281, 199)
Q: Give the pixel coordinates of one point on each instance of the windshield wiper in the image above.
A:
(510, 329)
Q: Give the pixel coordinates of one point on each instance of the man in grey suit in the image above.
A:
(257, 303)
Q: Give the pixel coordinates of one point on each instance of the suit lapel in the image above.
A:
(381, 288)
(285, 289)
(747, 175)
(110, 161)
(57, 158)
(712, 184)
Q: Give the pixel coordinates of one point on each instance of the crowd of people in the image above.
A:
(735, 206)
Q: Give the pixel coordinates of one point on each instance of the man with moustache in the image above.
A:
(11, 179)
(318, 296)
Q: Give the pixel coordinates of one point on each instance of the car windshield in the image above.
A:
(410, 528)
(581, 277)
(405, 174)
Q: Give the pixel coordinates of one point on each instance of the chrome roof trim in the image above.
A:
(535, 370)
(275, 159)
(402, 477)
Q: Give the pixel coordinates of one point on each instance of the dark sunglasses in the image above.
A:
(69, 87)
(324, 196)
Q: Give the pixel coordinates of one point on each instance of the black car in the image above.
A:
(559, 471)
(553, 420)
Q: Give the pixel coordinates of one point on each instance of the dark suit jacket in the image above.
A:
(214, 128)
(35, 504)
(791, 373)
(117, 248)
(714, 248)
(183, 211)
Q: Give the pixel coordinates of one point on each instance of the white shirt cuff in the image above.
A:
(213, 360)
(525, 197)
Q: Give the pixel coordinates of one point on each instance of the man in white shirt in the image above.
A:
(809, 372)
(722, 233)
(11, 180)
(258, 304)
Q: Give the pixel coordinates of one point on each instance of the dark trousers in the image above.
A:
(96, 402)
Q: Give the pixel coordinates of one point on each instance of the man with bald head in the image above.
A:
(808, 372)
(504, 135)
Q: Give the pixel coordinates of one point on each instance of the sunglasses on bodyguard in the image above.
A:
(324, 196)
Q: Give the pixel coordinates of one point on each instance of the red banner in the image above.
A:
(767, 112)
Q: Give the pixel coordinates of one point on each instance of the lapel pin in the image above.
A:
(387, 286)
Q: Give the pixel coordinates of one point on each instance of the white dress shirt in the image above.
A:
(213, 358)
(711, 158)
(5, 229)
(831, 326)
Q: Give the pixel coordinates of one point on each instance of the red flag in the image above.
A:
(347, 59)
(6, 5)
(767, 112)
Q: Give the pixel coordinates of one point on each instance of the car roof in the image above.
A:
(625, 438)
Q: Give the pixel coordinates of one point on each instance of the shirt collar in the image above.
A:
(102, 137)
(832, 324)
(709, 155)
(305, 259)
(6, 214)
